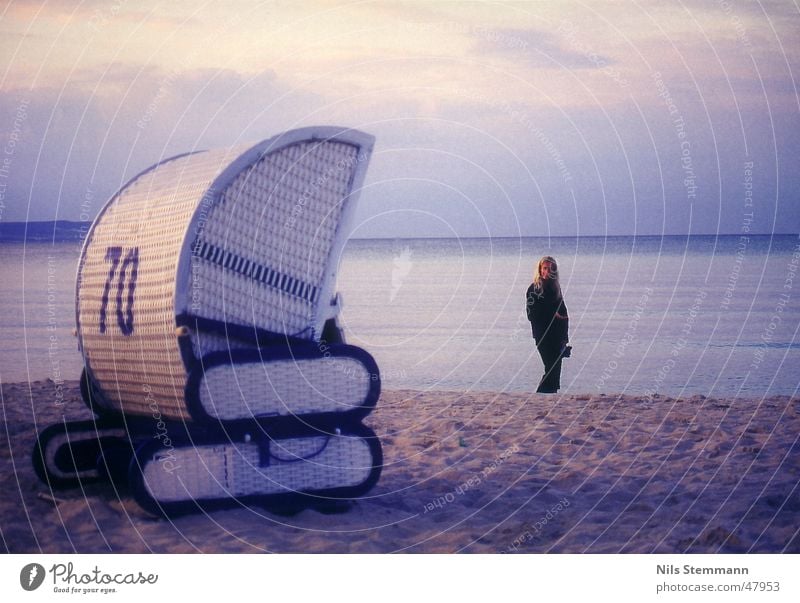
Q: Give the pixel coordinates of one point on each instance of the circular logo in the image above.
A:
(31, 576)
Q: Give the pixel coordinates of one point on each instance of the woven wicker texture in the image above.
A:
(231, 470)
(204, 343)
(262, 256)
(287, 387)
(141, 372)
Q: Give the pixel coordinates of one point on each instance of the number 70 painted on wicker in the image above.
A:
(125, 276)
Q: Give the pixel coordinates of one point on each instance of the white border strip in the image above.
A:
(402, 579)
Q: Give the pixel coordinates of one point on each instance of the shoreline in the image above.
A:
(480, 472)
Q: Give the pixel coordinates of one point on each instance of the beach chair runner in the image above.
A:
(178, 470)
(69, 454)
(203, 291)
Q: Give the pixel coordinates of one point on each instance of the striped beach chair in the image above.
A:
(207, 319)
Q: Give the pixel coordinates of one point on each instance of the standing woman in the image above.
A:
(549, 322)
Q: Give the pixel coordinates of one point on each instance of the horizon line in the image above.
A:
(519, 236)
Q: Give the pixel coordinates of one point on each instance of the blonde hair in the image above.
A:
(537, 278)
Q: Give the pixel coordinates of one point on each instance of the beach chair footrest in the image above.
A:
(218, 472)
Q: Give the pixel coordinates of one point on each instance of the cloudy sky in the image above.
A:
(491, 118)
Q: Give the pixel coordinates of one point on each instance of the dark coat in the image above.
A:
(541, 308)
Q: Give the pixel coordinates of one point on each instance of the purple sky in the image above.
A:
(503, 119)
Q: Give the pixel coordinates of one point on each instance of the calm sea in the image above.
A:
(672, 315)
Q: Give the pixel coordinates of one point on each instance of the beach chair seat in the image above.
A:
(253, 467)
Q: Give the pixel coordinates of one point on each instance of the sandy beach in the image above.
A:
(469, 472)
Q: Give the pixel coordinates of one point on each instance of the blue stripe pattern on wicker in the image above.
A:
(260, 272)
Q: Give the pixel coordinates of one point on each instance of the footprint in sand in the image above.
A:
(718, 536)
(751, 449)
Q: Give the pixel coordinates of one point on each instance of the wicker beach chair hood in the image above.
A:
(245, 237)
